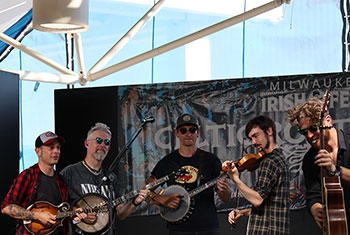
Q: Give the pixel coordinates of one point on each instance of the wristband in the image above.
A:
(337, 172)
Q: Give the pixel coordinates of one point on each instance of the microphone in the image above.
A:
(149, 119)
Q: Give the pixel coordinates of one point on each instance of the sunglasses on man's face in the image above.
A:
(312, 129)
(107, 142)
(192, 130)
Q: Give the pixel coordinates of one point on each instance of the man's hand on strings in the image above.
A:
(90, 218)
(230, 169)
(324, 159)
(171, 201)
(141, 197)
(80, 215)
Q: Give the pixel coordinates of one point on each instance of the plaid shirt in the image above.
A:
(24, 188)
(272, 183)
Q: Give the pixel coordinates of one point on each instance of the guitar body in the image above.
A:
(334, 207)
(184, 210)
(35, 227)
(98, 204)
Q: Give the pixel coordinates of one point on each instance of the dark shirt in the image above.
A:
(272, 217)
(313, 176)
(24, 190)
(82, 182)
(204, 216)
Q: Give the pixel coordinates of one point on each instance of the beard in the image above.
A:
(99, 156)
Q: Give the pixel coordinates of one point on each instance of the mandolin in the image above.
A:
(61, 211)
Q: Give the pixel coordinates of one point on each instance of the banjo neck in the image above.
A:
(151, 185)
(205, 186)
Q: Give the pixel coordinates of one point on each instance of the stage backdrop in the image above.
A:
(223, 108)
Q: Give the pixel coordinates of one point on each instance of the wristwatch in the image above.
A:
(337, 172)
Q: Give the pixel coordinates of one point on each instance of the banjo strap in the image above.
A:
(200, 166)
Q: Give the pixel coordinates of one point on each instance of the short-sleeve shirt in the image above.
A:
(204, 215)
(272, 183)
(81, 181)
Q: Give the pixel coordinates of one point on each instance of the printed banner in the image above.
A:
(223, 108)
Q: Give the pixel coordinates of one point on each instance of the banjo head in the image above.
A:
(98, 204)
(176, 215)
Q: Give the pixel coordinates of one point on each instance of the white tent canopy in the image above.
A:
(97, 71)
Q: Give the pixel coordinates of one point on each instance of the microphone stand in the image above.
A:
(111, 176)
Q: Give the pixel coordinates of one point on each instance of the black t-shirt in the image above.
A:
(48, 191)
(312, 173)
(204, 215)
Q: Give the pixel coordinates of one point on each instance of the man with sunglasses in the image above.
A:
(201, 167)
(85, 177)
(335, 158)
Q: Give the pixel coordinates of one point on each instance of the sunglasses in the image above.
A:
(312, 129)
(192, 130)
(107, 142)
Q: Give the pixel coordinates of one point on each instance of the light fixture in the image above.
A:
(61, 16)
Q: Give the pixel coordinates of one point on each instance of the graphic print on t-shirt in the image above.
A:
(91, 188)
(190, 176)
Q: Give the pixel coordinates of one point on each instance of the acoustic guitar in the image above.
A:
(332, 192)
(187, 204)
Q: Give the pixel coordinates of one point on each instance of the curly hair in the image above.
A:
(101, 127)
(310, 109)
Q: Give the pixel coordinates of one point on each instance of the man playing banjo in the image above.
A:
(84, 178)
(201, 167)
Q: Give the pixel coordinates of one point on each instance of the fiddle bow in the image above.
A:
(332, 191)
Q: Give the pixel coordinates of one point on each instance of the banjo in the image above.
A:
(99, 204)
(186, 207)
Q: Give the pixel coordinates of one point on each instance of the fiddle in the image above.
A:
(248, 162)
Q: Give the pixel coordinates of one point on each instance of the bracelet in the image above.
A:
(133, 202)
(337, 172)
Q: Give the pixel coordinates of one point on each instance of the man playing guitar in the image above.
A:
(335, 158)
(40, 182)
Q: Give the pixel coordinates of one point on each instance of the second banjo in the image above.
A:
(183, 212)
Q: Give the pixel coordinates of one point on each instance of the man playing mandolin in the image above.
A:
(335, 158)
(201, 167)
(269, 214)
(40, 182)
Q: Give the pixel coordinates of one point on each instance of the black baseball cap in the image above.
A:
(186, 119)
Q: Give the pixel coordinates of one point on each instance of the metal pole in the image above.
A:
(127, 37)
(187, 39)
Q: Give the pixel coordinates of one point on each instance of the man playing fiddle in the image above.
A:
(269, 197)
(335, 158)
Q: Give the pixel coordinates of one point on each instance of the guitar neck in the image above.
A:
(205, 186)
